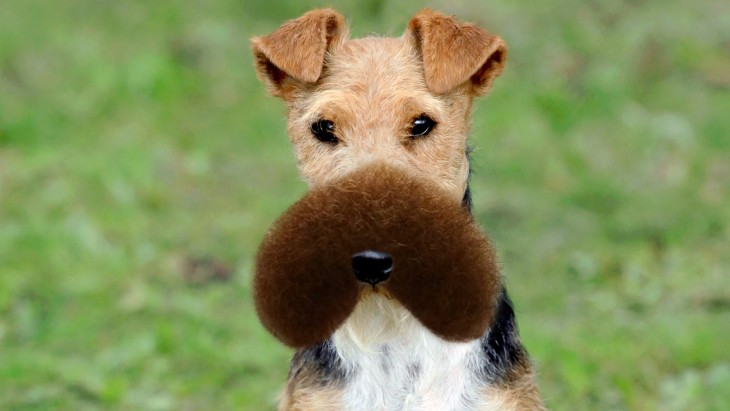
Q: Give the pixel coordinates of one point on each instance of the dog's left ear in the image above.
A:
(455, 53)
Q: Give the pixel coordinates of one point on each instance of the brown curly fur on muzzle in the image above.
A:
(444, 269)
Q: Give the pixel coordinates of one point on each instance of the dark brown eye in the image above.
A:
(422, 126)
(324, 131)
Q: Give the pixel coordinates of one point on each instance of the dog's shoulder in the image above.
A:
(501, 347)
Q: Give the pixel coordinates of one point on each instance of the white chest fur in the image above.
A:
(394, 363)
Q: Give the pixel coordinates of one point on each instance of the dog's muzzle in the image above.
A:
(389, 228)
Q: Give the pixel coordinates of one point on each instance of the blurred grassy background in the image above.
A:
(141, 162)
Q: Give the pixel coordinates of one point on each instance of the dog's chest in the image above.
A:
(418, 373)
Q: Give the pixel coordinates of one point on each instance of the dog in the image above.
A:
(405, 101)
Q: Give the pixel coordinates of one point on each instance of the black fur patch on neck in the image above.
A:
(501, 345)
(466, 200)
(320, 361)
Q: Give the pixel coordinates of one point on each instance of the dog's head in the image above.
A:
(380, 233)
(403, 100)
(393, 239)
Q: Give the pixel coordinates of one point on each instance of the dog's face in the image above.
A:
(405, 101)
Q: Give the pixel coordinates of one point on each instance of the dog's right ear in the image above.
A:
(455, 53)
(296, 51)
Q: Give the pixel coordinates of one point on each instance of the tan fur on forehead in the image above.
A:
(445, 272)
(356, 94)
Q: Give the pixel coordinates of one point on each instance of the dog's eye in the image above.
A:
(422, 126)
(324, 131)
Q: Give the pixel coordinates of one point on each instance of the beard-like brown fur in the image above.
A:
(444, 269)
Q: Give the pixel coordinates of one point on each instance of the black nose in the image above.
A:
(372, 267)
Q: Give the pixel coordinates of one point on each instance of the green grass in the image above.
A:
(141, 163)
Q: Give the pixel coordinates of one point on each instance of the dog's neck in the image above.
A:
(394, 363)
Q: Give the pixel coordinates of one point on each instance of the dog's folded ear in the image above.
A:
(454, 53)
(296, 51)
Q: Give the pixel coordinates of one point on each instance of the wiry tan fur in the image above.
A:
(310, 398)
(519, 394)
(372, 89)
